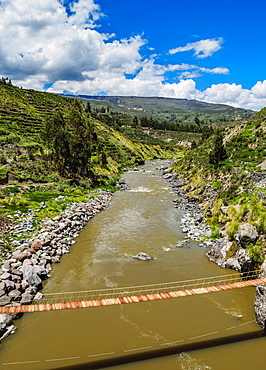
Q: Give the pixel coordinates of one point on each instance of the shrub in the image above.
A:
(232, 229)
(255, 252)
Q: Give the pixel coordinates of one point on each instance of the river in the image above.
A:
(212, 331)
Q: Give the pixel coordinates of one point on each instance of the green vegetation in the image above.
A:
(220, 172)
(171, 110)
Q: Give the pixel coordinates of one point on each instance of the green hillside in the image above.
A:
(23, 116)
(169, 108)
(226, 174)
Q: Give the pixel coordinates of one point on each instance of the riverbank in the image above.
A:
(231, 253)
(31, 260)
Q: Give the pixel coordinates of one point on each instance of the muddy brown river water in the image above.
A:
(212, 331)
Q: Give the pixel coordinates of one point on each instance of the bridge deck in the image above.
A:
(108, 297)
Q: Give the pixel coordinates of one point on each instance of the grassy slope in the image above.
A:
(167, 108)
(232, 182)
(22, 116)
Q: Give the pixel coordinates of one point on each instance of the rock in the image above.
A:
(10, 330)
(260, 306)
(2, 292)
(26, 298)
(38, 296)
(31, 290)
(27, 262)
(22, 255)
(4, 300)
(229, 254)
(5, 276)
(143, 256)
(247, 233)
(9, 285)
(32, 277)
(14, 294)
(36, 245)
(6, 267)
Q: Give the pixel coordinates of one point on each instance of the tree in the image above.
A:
(218, 153)
(70, 141)
(88, 107)
(197, 120)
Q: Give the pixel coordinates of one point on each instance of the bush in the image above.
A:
(232, 229)
(255, 252)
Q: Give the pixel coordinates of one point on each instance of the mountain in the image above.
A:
(169, 108)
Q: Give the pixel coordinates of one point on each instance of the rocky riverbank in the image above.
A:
(193, 222)
(31, 260)
(226, 253)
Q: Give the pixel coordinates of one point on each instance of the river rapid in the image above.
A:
(212, 331)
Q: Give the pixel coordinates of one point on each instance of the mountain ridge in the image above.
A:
(174, 108)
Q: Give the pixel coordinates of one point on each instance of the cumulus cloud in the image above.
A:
(237, 96)
(202, 49)
(41, 39)
(259, 90)
(46, 43)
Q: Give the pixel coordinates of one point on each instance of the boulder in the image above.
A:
(4, 300)
(260, 306)
(31, 276)
(26, 298)
(247, 233)
(14, 294)
(143, 256)
(36, 245)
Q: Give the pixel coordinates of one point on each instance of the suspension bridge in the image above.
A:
(137, 294)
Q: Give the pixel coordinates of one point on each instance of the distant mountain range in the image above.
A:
(168, 108)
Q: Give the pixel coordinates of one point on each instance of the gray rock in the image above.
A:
(10, 330)
(247, 233)
(4, 300)
(14, 294)
(143, 256)
(32, 277)
(9, 285)
(260, 306)
(26, 298)
(5, 276)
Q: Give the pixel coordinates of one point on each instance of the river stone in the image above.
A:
(26, 298)
(31, 290)
(9, 285)
(142, 256)
(5, 276)
(30, 274)
(15, 278)
(2, 292)
(27, 262)
(36, 245)
(16, 272)
(14, 294)
(23, 255)
(4, 300)
(247, 233)
(6, 267)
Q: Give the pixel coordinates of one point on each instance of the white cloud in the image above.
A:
(42, 44)
(41, 39)
(187, 67)
(259, 90)
(202, 49)
(236, 95)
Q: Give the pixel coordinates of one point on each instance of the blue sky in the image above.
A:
(206, 50)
